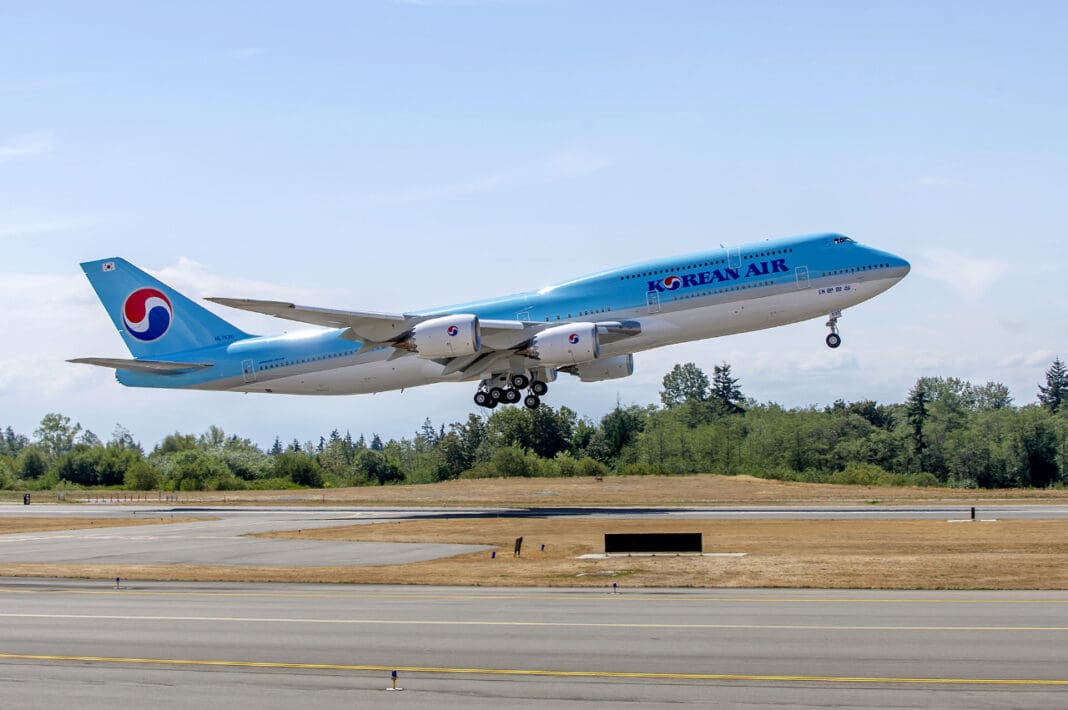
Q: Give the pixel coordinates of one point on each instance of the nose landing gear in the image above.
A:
(834, 339)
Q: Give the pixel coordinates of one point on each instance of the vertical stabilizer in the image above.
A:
(152, 317)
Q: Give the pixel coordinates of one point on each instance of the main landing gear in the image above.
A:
(490, 395)
(834, 339)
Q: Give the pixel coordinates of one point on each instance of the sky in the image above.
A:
(395, 155)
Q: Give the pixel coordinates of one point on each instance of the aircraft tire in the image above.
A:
(539, 388)
(482, 398)
(531, 401)
(496, 394)
(834, 340)
(511, 396)
(520, 382)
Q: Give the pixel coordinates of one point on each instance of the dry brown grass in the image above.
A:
(26, 525)
(1016, 554)
(703, 489)
(879, 554)
(911, 554)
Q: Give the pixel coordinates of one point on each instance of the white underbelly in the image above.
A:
(670, 327)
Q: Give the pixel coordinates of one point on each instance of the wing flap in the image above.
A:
(158, 367)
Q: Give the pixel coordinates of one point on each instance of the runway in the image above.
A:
(222, 537)
(84, 644)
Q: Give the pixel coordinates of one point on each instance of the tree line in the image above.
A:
(947, 432)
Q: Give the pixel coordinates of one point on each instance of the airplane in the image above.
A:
(589, 327)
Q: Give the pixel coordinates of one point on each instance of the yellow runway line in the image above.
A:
(632, 675)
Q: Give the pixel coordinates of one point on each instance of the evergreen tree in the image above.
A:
(725, 391)
(376, 443)
(1055, 392)
(276, 447)
(916, 413)
(13, 443)
(427, 431)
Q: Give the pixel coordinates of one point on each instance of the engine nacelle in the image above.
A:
(610, 368)
(567, 344)
(448, 336)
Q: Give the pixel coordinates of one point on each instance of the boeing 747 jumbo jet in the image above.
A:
(589, 327)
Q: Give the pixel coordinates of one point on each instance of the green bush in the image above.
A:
(591, 467)
(141, 476)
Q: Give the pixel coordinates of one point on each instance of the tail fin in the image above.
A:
(152, 317)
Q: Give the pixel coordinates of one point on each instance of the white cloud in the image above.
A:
(968, 275)
(1031, 360)
(25, 146)
(197, 280)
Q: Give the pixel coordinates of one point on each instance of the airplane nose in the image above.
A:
(902, 264)
(899, 268)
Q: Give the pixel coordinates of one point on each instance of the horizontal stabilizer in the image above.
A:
(159, 367)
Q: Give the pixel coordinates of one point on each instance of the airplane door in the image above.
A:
(801, 272)
(248, 370)
(523, 316)
(734, 257)
(653, 300)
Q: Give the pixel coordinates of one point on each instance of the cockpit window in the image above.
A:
(843, 240)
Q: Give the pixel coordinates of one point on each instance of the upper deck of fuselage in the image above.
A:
(605, 288)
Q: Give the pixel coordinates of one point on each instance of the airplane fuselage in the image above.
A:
(705, 295)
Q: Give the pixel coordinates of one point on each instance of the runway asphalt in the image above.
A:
(180, 645)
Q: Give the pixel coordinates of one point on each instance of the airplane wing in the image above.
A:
(363, 325)
(379, 328)
(159, 367)
(500, 338)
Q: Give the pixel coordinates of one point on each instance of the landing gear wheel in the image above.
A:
(511, 396)
(539, 388)
(531, 401)
(482, 398)
(520, 382)
(496, 394)
(492, 404)
(834, 339)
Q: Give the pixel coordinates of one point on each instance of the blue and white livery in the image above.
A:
(589, 327)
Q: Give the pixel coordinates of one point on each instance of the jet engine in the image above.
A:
(610, 368)
(566, 344)
(447, 336)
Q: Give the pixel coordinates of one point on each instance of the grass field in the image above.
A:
(878, 554)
